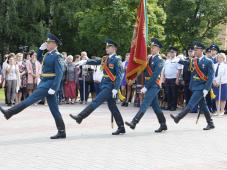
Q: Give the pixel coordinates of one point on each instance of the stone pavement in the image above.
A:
(25, 143)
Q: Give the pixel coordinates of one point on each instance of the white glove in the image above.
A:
(143, 90)
(43, 46)
(114, 93)
(205, 92)
(81, 63)
(51, 91)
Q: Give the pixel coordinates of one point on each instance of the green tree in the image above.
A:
(116, 19)
(21, 23)
(190, 20)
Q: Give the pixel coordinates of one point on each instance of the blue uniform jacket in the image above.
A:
(115, 65)
(51, 63)
(156, 64)
(207, 67)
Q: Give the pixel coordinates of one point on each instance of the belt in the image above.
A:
(106, 76)
(147, 78)
(47, 75)
(196, 78)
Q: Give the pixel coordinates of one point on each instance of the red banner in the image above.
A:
(138, 51)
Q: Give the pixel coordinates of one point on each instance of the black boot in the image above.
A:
(135, 120)
(5, 113)
(61, 129)
(162, 121)
(82, 115)
(209, 127)
(178, 117)
(162, 127)
(210, 124)
(60, 135)
(12, 111)
(120, 130)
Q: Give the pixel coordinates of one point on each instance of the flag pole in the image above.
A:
(146, 19)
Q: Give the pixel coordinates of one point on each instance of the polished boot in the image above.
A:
(178, 117)
(82, 115)
(162, 127)
(135, 120)
(60, 135)
(120, 130)
(61, 129)
(210, 124)
(12, 111)
(162, 122)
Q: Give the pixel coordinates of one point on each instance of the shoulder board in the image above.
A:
(118, 57)
(59, 54)
(208, 59)
(159, 56)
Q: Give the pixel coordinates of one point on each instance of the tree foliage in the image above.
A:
(85, 24)
(190, 20)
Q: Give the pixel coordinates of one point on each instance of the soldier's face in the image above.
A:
(110, 50)
(213, 52)
(198, 52)
(191, 53)
(154, 50)
(51, 45)
(208, 54)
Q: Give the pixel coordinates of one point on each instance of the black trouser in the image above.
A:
(83, 90)
(187, 92)
(172, 91)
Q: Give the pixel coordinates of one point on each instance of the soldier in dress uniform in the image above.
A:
(151, 88)
(208, 52)
(214, 51)
(200, 84)
(187, 75)
(50, 81)
(110, 86)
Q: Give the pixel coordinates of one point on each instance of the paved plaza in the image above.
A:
(25, 143)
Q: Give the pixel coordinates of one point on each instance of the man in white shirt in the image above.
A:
(171, 74)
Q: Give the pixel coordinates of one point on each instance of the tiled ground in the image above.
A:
(25, 143)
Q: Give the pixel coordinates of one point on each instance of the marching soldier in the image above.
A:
(151, 88)
(110, 85)
(200, 84)
(50, 81)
